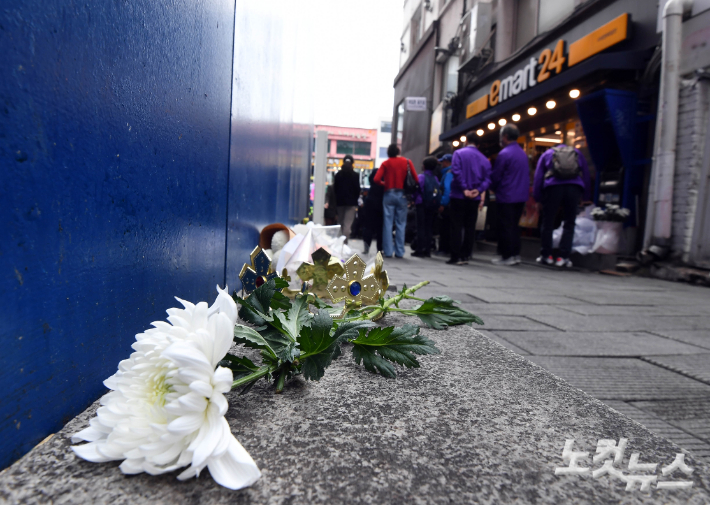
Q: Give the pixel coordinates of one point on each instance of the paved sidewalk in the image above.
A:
(642, 346)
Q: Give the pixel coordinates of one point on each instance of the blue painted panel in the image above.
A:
(270, 154)
(114, 148)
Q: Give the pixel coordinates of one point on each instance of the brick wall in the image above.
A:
(692, 124)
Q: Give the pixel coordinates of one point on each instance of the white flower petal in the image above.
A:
(90, 452)
(184, 425)
(165, 408)
(234, 469)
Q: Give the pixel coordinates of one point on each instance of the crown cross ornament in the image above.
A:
(355, 287)
(258, 273)
(320, 272)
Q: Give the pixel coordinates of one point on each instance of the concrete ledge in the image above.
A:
(476, 424)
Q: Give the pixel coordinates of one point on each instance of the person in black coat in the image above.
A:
(347, 192)
(373, 214)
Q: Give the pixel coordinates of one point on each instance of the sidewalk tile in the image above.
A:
(577, 343)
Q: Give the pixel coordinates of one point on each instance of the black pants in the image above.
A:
(566, 196)
(445, 230)
(425, 223)
(509, 231)
(464, 213)
(372, 226)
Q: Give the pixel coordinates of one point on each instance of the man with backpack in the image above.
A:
(427, 202)
(561, 178)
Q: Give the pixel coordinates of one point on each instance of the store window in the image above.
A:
(415, 27)
(386, 126)
(450, 77)
(383, 152)
(552, 12)
(349, 147)
(400, 124)
(534, 17)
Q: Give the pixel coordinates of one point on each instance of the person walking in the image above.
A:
(427, 204)
(391, 175)
(444, 210)
(561, 178)
(510, 180)
(347, 192)
(373, 215)
(471, 177)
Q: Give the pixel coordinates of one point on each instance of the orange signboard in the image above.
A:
(602, 38)
(477, 106)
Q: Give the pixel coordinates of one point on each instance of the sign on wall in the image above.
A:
(551, 62)
(415, 103)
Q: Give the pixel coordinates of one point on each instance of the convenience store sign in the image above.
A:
(543, 66)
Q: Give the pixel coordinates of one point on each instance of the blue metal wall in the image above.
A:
(118, 186)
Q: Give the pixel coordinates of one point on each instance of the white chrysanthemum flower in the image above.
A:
(166, 406)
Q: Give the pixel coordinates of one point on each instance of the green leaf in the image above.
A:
(439, 312)
(282, 345)
(241, 367)
(256, 307)
(317, 346)
(398, 345)
(351, 330)
(297, 317)
(319, 303)
(280, 282)
(250, 338)
(373, 362)
(280, 301)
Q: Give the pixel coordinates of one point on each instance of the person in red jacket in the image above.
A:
(391, 175)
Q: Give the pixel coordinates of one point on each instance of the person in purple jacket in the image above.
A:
(427, 202)
(561, 178)
(510, 180)
(471, 177)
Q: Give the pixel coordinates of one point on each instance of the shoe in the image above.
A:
(418, 255)
(545, 261)
(508, 262)
(497, 257)
(462, 262)
(518, 260)
(399, 257)
(366, 250)
(563, 262)
(452, 261)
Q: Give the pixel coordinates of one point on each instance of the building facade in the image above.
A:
(360, 143)
(582, 72)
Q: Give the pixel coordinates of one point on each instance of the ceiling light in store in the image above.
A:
(545, 139)
(550, 104)
(574, 93)
(558, 132)
(502, 122)
(532, 111)
(455, 143)
(491, 126)
(516, 117)
(463, 138)
(480, 133)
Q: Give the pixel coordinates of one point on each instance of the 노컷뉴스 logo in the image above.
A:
(611, 457)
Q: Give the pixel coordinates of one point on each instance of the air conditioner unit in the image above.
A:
(475, 33)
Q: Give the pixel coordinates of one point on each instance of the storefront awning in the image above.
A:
(623, 60)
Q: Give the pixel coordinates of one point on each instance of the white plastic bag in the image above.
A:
(608, 237)
(585, 231)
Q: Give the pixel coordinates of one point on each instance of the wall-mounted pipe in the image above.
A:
(660, 215)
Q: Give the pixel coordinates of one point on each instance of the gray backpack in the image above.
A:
(565, 164)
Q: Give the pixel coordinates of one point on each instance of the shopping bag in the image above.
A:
(481, 221)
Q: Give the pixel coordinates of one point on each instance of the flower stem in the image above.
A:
(385, 307)
(281, 381)
(251, 377)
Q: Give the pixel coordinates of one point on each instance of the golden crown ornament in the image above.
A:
(355, 287)
(258, 272)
